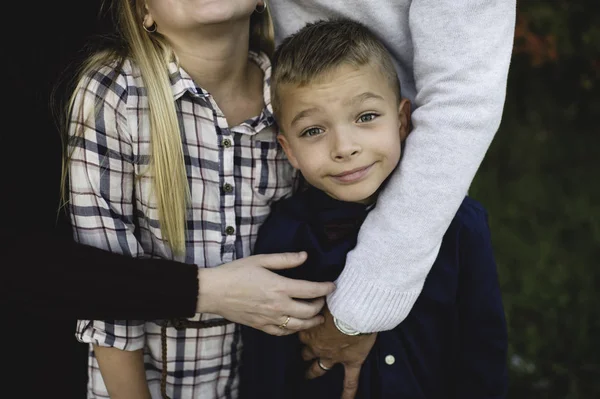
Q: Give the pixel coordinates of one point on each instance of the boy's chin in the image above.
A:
(355, 195)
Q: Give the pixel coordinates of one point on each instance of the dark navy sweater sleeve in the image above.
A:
(54, 274)
(482, 324)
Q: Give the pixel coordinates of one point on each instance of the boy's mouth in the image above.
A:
(353, 175)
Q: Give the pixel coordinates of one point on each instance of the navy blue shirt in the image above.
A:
(453, 344)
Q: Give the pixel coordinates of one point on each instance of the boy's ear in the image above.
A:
(288, 150)
(404, 116)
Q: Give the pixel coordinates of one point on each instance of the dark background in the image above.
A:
(539, 181)
(541, 184)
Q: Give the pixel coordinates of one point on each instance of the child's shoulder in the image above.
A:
(110, 77)
(108, 66)
(471, 208)
(469, 232)
(471, 215)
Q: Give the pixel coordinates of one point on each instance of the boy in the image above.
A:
(337, 100)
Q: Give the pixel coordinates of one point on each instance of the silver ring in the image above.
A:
(322, 366)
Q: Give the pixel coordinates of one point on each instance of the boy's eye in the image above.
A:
(367, 117)
(313, 131)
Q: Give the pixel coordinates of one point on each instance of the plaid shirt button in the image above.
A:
(230, 230)
(228, 188)
(226, 143)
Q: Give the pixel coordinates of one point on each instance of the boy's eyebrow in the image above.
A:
(359, 98)
(362, 98)
(303, 114)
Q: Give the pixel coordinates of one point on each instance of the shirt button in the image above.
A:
(230, 230)
(228, 188)
(389, 360)
(226, 143)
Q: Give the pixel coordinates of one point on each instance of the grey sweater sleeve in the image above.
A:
(462, 52)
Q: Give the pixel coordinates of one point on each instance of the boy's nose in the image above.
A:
(344, 147)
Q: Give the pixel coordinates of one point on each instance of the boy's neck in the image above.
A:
(367, 201)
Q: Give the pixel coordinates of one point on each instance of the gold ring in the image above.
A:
(284, 324)
(322, 366)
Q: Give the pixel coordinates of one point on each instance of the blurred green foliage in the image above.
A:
(541, 184)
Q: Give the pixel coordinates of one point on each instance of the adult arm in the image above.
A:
(101, 206)
(482, 369)
(59, 276)
(461, 57)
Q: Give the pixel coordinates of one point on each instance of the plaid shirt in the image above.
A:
(234, 174)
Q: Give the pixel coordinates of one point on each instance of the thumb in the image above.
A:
(281, 261)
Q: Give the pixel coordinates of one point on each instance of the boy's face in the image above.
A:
(344, 131)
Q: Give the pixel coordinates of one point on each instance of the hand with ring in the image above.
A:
(326, 346)
(322, 366)
(284, 324)
(248, 291)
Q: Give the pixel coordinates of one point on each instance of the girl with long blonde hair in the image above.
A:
(172, 153)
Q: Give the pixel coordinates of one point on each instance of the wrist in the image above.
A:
(206, 298)
(342, 327)
(346, 329)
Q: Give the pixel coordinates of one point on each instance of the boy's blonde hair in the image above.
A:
(320, 47)
(151, 52)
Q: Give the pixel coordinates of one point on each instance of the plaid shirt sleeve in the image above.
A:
(101, 177)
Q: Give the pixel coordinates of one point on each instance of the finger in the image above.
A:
(307, 289)
(351, 376)
(308, 354)
(302, 309)
(277, 331)
(315, 371)
(294, 308)
(304, 337)
(296, 324)
(285, 260)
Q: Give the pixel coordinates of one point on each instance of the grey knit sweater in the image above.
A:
(452, 57)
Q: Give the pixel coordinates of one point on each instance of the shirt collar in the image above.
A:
(182, 82)
(333, 220)
(320, 202)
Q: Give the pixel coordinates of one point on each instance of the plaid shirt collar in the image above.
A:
(182, 82)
